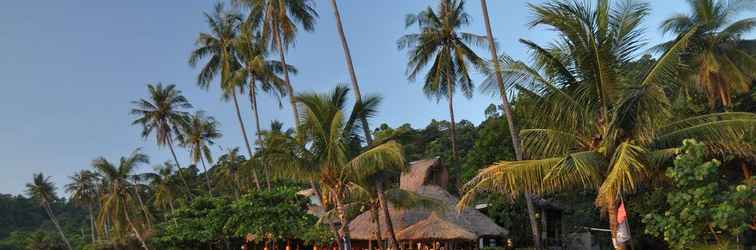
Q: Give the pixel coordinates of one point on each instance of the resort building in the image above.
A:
(421, 228)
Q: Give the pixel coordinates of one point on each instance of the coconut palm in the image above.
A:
(258, 72)
(598, 128)
(278, 20)
(513, 131)
(162, 114)
(350, 68)
(198, 134)
(721, 65)
(117, 199)
(42, 190)
(441, 44)
(218, 48)
(328, 148)
(229, 166)
(164, 187)
(83, 190)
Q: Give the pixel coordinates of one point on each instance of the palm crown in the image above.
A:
(617, 130)
(162, 113)
(720, 63)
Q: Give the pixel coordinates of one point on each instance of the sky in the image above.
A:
(70, 69)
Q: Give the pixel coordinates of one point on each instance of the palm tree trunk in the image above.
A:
(142, 206)
(350, 68)
(246, 140)
(253, 102)
(612, 211)
(207, 175)
(322, 203)
(513, 131)
(344, 227)
(92, 223)
(387, 216)
(453, 128)
(289, 88)
(175, 159)
(133, 228)
(57, 226)
(374, 212)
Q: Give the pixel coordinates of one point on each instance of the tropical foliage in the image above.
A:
(669, 134)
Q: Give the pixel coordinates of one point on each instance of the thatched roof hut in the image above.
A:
(427, 178)
(435, 228)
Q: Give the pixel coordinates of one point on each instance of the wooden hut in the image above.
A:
(430, 178)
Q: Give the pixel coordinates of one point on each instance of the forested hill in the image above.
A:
(24, 221)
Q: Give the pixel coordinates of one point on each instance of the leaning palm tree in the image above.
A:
(218, 48)
(441, 44)
(328, 148)
(162, 114)
(597, 127)
(278, 20)
(83, 190)
(513, 129)
(721, 64)
(118, 200)
(198, 135)
(350, 68)
(42, 190)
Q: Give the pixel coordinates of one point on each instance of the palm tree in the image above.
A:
(327, 148)
(720, 62)
(83, 190)
(513, 131)
(258, 72)
(162, 113)
(117, 199)
(42, 190)
(598, 127)
(278, 20)
(218, 47)
(229, 166)
(447, 49)
(164, 187)
(198, 135)
(350, 68)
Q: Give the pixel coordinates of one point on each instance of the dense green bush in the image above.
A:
(702, 207)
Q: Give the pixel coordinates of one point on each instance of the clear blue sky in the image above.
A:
(69, 70)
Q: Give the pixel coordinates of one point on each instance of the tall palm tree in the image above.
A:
(441, 44)
(350, 68)
(513, 131)
(720, 62)
(117, 198)
(42, 190)
(278, 20)
(83, 190)
(218, 48)
(162, 114)
(198, 135)
(258, 72)
(598, 127)
(327, 148)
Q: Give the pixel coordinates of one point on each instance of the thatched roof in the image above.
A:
(435, 228)
(427, 178)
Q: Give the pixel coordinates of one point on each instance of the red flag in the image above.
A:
(623, 229)
(621, 213)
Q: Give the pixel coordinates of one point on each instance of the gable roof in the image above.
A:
(425, 178)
